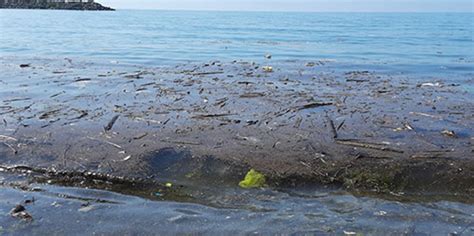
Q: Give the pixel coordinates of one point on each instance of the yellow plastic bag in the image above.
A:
(253, 179)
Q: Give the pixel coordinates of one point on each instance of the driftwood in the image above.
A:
(207, 73)
(11, 147)
(376, 146)
(82, 79)
(313, 105)
(212, 115)
(7, 138)
(180, 142)
(105, 141)
(333, 128)
(111, 123)
(252, 95)
(140, 136)
(46, 115)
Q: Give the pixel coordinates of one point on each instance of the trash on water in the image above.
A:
(448, 133)
(253, 179)
(267, 69)
(430, 85)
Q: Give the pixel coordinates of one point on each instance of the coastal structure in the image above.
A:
(54, 4)
(6, 2)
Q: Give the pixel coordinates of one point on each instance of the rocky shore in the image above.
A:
(85, 6)
(298, 123)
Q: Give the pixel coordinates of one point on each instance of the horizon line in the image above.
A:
(289, 11)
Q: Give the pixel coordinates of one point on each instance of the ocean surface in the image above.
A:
(436, 44)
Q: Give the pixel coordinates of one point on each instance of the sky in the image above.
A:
(299, 5)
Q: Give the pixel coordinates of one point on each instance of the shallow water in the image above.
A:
(201, 208)
(315, 211)
(435, 46)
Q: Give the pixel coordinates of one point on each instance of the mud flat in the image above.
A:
(298, 123)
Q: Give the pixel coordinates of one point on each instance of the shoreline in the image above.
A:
(298, 125)
(86, 6)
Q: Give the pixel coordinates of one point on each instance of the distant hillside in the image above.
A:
(89, 5)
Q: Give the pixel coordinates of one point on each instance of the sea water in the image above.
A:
(420, 43)
(431, 45)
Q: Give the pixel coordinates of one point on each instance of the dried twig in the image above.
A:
(313, 105)
(111, 123)
(7, 138)
(357, 143)
(180, 142)
(333, 128)
(11, 147)
(208, 73)
(213, 115)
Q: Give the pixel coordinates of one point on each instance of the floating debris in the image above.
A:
(19, 211)
(48, 114)
(333, 128)
(380, 213)
(349, 233)
(7, 138)
(11, 147)
(140, 136)
(449, 133)
(376, 146)
(208, 73)
(213, 115)
(430, 85)
(82, 80)
(313, 105)
(253, 179)
(86, 208)
(252, 95)
(17, 208)
(111, 123)
(267, 69)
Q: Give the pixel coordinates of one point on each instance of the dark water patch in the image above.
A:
(180, 165)
(239, 212)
